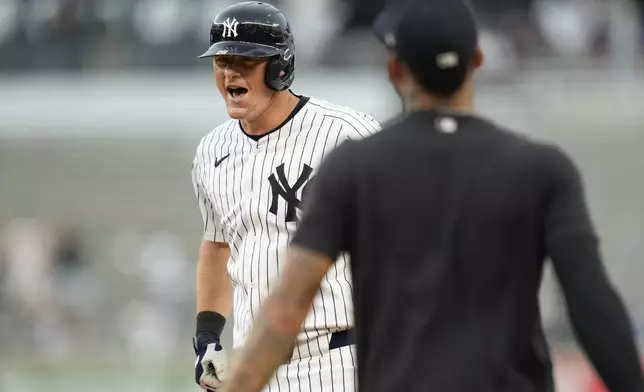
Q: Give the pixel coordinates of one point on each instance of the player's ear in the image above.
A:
(395, 69)
(477, 60)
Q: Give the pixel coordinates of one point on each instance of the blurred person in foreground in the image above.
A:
(448, 219)
(250, 176)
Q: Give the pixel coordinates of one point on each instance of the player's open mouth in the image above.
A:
(237, 92)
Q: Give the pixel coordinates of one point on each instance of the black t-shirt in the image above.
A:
(448, 220)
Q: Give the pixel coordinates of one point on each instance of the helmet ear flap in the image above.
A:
(285, 63)
(273, 70)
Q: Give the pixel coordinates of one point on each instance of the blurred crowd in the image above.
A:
(86, 34)
(50, 282)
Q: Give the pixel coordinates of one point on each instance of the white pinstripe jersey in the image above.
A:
(249, 192)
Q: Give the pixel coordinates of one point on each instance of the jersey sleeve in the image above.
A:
(359, 125)
(593, 304)
(326, 217)
(212, 228)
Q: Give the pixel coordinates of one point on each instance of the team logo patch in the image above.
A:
(281, 188)
(230, 28)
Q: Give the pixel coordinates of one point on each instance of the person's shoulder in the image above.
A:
(540, 148)
(512, 139)
(543, 156)
(353, 121)
(211, 137)
(329, 108)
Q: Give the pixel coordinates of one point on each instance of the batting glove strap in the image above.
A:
(201, 342)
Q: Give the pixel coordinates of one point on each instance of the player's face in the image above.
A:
(240, 81)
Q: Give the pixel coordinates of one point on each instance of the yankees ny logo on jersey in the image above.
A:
(280, 187)
(230, 28)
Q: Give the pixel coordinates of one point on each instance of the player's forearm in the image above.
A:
(269, 346)
(214, 287)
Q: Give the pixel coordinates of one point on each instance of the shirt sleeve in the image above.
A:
(594, 306)
(212, 227)
(360, 125)
(327, 208)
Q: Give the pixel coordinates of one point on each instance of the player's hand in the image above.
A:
(211, 364)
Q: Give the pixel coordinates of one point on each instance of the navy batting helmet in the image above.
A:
(254, 29)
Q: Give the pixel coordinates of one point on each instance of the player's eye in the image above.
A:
(221, 63)
(250, 64)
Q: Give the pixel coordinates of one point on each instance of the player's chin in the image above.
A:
(236, 112)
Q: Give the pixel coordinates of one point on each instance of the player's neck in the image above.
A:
(282, 105)
(464, 108)
(461, 102)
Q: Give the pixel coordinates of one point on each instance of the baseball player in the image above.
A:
(250, 175)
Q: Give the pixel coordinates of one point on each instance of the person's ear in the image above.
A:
(395, 69)
(477, 61)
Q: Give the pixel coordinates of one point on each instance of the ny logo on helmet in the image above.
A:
(230, 28)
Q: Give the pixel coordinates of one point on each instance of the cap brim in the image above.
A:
(245, 49)
(383, 25)
(387, 22)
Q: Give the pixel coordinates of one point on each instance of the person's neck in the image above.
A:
(458, 104)
(281, 106)
(462, 102)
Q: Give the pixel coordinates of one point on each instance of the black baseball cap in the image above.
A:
(436, 39)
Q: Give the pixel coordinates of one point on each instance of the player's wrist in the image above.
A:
(210, 326)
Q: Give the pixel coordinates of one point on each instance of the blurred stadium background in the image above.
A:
(102, 104)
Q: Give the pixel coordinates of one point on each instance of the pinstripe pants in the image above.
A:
(315, 368)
